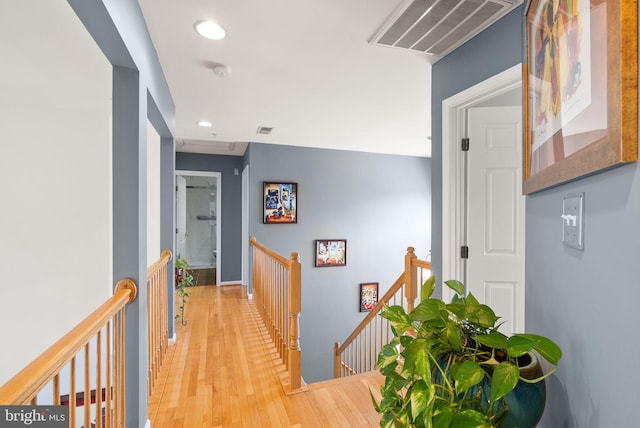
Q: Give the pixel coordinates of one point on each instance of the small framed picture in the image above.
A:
(331, 252)
(368, 296)
(280, 202)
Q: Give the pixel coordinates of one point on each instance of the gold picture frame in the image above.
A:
(580, 86)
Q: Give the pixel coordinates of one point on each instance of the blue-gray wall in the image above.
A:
(231, 236)
(380, 204)
(585, 300)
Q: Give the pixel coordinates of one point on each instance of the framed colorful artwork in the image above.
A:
(331, 252)
(280, 202)
(581, 89)
(368, 296)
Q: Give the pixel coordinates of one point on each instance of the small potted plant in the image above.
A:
(448, 366)
(184, 279)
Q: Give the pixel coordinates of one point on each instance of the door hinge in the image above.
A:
(176, 188)
(176, 230)
(464, 252)
(465, 144)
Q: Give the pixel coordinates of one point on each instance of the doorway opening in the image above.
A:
(198, 223)
(459, 227)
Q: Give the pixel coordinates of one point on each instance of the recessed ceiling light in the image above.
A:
(204, 123)
(210, 30)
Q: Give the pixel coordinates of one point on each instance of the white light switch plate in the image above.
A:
(573, 221)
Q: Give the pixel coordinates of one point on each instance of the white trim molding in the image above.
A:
(454, 110)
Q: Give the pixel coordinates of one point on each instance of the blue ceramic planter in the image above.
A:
(526, 402)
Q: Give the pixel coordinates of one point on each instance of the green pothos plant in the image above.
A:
(448, 365)
(184, 279)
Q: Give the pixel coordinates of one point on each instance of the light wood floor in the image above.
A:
(221, 373)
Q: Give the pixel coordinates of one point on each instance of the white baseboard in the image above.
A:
(147, 424)
(238, 282)
(172, 340)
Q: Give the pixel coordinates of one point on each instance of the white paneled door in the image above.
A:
(496, 213)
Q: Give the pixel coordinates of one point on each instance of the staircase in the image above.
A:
(276, 285)
(358, 353)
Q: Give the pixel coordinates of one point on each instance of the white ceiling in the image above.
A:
(303, 67)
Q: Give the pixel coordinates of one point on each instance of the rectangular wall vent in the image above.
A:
(264, 130)
(436, 27)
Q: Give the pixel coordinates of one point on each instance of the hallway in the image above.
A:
(221, 373)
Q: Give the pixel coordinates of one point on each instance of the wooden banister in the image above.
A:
(277, 296)
(339, 349)
(23, 388)
(158, 316)
(358, 353)
(161, 263)
(269, 252)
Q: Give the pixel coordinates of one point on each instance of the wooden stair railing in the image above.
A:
(158, 316)
(100, 336)
(276, 293)
(359, 352)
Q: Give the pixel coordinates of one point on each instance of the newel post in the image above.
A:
(410, 278)
(255, 276)
(337, 372)
(295, 306)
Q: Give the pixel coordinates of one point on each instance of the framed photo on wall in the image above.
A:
(280, 202)
(581, 89)
(331, 252)
(368, 296)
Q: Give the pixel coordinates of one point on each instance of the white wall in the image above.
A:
(55, 169)
(153, 195)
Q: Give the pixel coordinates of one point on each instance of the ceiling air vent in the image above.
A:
(436, 27)
(264, 130)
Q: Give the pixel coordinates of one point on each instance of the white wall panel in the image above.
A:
(56, 242)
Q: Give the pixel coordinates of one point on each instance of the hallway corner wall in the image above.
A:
(381, 204)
